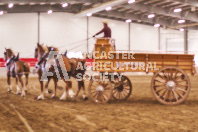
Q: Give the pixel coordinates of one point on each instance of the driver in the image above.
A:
(106, 30)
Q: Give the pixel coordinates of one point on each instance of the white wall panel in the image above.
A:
(193, 41)
(60, 29)
(19, 32)
(171, 40)
(144, 38)
(119, 32)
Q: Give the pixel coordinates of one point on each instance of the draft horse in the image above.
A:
(16, 69)
(41, 53)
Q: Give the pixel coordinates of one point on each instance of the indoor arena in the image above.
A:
(98, 65)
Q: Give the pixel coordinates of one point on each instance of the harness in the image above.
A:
(43, 61)
(12, 71)
(73, 72)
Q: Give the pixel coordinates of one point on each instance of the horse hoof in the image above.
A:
(22, 95)
(50, 91)
(53, 96)
(72, 97)
(9, 91)
(62, 99)
(40, 97)
(86, 98)
(18, 93)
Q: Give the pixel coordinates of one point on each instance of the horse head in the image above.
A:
(8, 53)
(40, 50)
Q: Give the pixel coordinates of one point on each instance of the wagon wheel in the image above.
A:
(121, 88)
(100, 91)
(170, 86)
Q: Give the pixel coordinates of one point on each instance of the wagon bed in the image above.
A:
(170, 84)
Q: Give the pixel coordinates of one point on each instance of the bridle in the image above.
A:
(42, 60)
(5, 56)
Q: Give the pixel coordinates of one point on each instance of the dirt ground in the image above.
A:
(141, 112)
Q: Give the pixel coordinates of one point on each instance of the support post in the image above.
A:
(159, 39)
(129, 36)
(38, 27)
(87, 34)
(186, 41)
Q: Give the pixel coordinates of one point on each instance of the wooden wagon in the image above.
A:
(170, 84)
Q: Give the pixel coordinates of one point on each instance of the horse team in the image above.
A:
(17, 68)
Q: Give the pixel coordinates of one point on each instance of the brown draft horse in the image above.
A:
(16, 69)
(41, 53)
(70, 66)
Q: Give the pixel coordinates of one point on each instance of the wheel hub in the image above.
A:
(170, 85)
(100, 88)
(120, 88)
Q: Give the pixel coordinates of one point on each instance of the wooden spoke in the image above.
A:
(171, 74)
(165, 75)
(96, 96)
(159, 85)
(159, 90)
(174, 90)
(175, 75)
(162, 95)
(175, 95)
(116, 93)
(124, 93)
(179, 93)
(181, 81)
(160, 81)
(167, 95)
(180, 89)
(162, 77)
(105, 96)
(94, 92)
(182, 85)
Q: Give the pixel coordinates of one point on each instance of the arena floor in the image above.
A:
(141, 112)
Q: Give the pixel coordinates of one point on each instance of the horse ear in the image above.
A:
(5, 48)
(38, 44)
(65, 54)
(17, 57)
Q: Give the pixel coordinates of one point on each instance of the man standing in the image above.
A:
(106, 30)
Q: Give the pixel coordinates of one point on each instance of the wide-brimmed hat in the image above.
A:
(105, 21)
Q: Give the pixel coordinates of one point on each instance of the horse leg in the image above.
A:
(18, 89)
(55, 87)
(46, 85)
(70, 90)
(84, 94)
(17, 86)
(68, 85)
(79, 87)
(8, 81)
(26, 83)
(41, 96)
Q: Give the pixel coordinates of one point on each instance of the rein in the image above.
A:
(42, 59)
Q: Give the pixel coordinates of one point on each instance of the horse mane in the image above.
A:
(52, 48)
(10, 52)
(43, 48)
